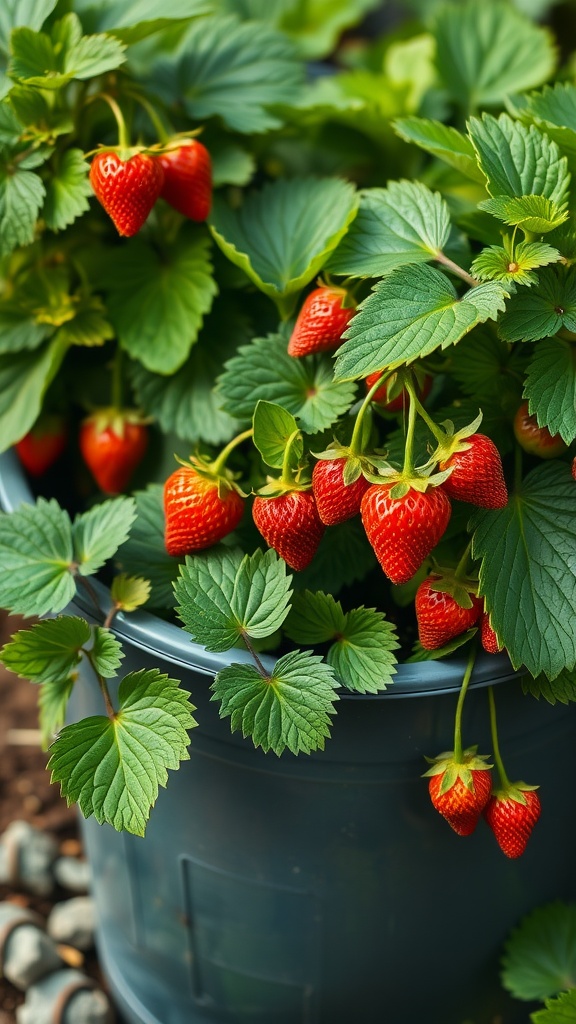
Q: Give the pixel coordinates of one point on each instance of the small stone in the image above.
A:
(72, 922)
(29, 955)
(73, 874)
(86, 1006)
(32, 852)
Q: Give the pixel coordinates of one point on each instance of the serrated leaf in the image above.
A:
(540, 955)
(130, 592)
(52, 704)
(262, 592)
(527, 572)
(557, 1011)
(106, 653)
(442, 141)
(518, 160)
(36, 558)
(67, 191)
(51, 61)
(550, 387)
(99, 533)
(89, 325)
(496, 264)
(409, 315)
(113, 768)
(282, 235)
(157, 301)
(486, 51)
(304, 387)
(554, 111)
(19, 329)
(13, 13)
(362, 657)
(21, 196)
(532, 213)
(404, 223)
(314, 618)
(144, 553)
(562, 689)
(273, 428)
(49, 650)
(290, 709)
(544, 310)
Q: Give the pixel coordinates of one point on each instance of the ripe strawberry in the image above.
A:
(336, 501)
(188, 179)
(488, 636)
(534, 439)
(404, 530)
(321, 322)
(112, 444)
(440, 617)
(459, 794)
(291, 525)
(197, 516)
(400, 402)
(42, 446)
(511, 814)
(477, 475)
(573, 469)
(127, 189)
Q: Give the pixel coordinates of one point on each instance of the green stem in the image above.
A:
(159, 127)
(504, 780)
(460, 568)
(433, 427)
(117, 380)
(445, 261)
(110, 710)
(123, 141)
(355, 443)
(458, 750)
(254, 654)
(408, 467)
(219, 463)
(287, 474)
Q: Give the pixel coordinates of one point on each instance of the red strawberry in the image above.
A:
(404, 530)
(400, 402)
(440, 617)
(477, 475)
(197, 516)
(127, 189)
(42, 446)
(573, 469)
(534, 439)
(461, 804)
(291, 525)
(335, 500)
(511, 814)
(488, 636)
(112, 444)
(188, 179)
(321, 322)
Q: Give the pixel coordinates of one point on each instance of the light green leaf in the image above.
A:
(106, 654)
(550, 387)
(404, 223)
(36, 559)
(19, 328)
(316, 25)
(67, 191)
(282, 236)
(540, 955)
(231, 165)
(113, 768)
(52, 704)
(442, 141)
(532, 213)
(558, 1011)
(13, 13)
(362, 657)
(497, 264)
(273, 428)
(133, 20)
(21, 196)
(554, 111)
(544, 310)
(517, 160)
(290, 709)
(314, 618)
(89, 325)
(99, 533)
(49, 62)
(304, 387)
(42, 119)
(130, 592)
(158, 301)
(409, 315)
(49, 650)
(262, 591)
(144, 553)
(562, 689)
(528, 574)
(486, 51)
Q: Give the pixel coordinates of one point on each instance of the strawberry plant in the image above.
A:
(346, 304)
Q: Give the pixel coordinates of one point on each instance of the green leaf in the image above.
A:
(273, 428)
(99, 533)
(362, 657)
(558, 1011)
(231, 165)
(106, 654)
(233, 70)
(442, 141)
(518, 161)
(282, 235)
(89, 325)
(13, 13)
(67, 191)
(314, 618)
(158, 301)
(262, 591)
(144, 553)
(409, 315)
(420, 654)
(36, 559)
(113, 768)
(550, 387)
(51, 61)
(485, 366)
(562, 689)
(343, 557)
(49, 650)
(317, 25)
(486, 51)
(43, 120)
(133, 20)
(52, 704)
(290, 709)
(540, 955)
(532, 213)
(304, 387)
(21, 196)
(544, 310)
(496, 263)
(554, 111)
(527, 573)
(130, 592)
(19, 328)
(404, 223)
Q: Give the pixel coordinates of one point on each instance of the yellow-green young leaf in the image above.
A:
(49, 650)
(540, 954)
(497, 264)
(518, 161)
(544, 310)
(36, 559)
(113, 768)
(130, 592)
(106, 653)
(291, 708)
(67, 191)
(99, 532)
(52, 704)
(560, 690)
(362, 656)
(442, 141)
(314, 618)
(554, 111)
(558, 1011)
(144, 553)
(532, 213)
(273, 429)
(550, 387)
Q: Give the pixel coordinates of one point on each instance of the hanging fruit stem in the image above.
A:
(355, 443)
(504, 780)
(220, 462)
(408, 468)
(458, 749)
(432, 426)
(287, 474)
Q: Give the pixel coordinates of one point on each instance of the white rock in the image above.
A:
(33, 852)
(72, 922)
(72, 874)
(84, 1006)
(29, 955)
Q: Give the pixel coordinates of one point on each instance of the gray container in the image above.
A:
(323, 889)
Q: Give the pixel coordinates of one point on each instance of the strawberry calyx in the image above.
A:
(115, 419)
(460, 588)
(513, 791)
(347, 301)
(402, 481)
(356, 464)
(454, 770)
(223, 478)
(451, 441)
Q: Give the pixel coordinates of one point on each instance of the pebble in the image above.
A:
(72, 922)
(29, 955)
(32, 853)
(73, 874)
(86, 1006)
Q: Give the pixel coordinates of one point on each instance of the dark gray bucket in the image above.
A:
(323, 889)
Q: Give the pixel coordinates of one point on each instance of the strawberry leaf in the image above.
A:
(442, 141)
(36, 559)
(106, 654)
(496, 264)
(483, 364)
(409, 315)
(21, 196)
(52, 704)
(420, 653)
(129, 592)
(343, 556)
(545, 310)
(362, 657)
(51, 61)
(289, 709)
(561, 690)
(273, 428)
(558, 1011)
(540, 955)
(552, 110)
(518, 161)
(551, 387)
(113, 768)
(133, 20)
(16, 12)
(49, 650)
(527, 572)
(144, 553)
(314, 618)
(99, 533)
(24, 379)
(532, 213)
(67, 191)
